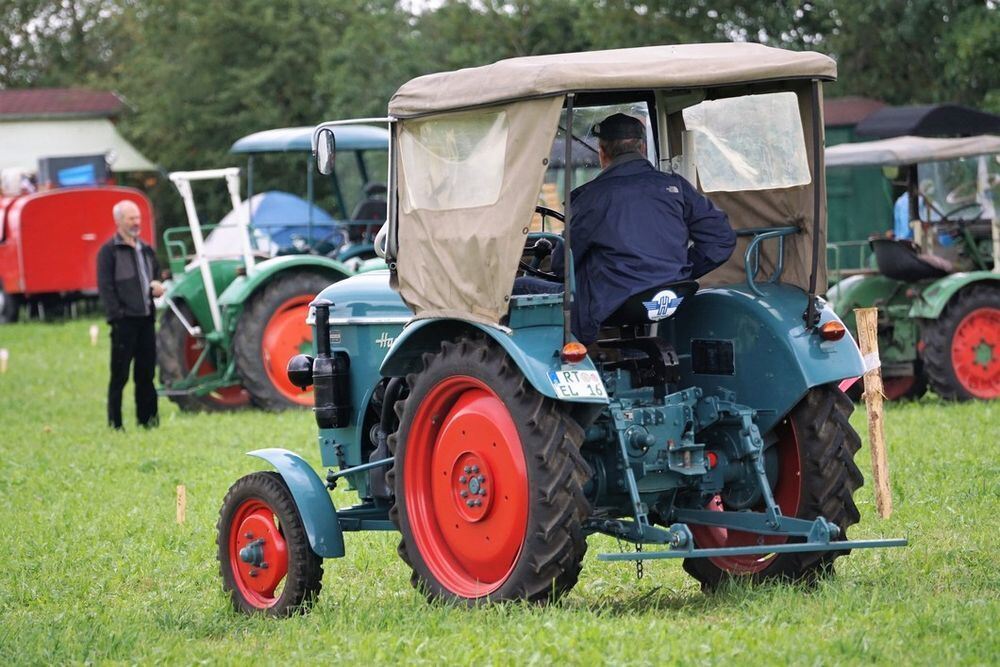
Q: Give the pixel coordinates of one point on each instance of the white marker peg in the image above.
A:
(94, 332)
(181, 503)
(4, 357)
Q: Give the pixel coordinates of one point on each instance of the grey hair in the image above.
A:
(118, 211)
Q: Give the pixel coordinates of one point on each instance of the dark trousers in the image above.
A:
(133, 339)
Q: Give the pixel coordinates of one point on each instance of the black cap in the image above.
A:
(619, 126)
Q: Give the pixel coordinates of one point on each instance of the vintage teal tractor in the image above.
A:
(704, 425)
(938, 295)
(234, 319)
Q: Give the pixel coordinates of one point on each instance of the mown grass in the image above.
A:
(96, 569)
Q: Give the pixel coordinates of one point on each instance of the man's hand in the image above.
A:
(156, 288)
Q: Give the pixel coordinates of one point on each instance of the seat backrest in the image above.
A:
(900, 260)
(652, 305)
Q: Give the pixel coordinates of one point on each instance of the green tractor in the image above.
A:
(706, 424)
(938, 295)
(236, 307)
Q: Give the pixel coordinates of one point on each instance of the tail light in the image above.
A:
(832, 330)
(573, 353)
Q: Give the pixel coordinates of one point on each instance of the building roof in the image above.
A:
(641, 68)
(929, 120)
(58, 102)
(849, 110)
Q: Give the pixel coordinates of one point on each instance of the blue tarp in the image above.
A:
(279, 216)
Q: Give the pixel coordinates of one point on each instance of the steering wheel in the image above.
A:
(541, 247)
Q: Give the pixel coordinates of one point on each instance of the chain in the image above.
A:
(638, 550)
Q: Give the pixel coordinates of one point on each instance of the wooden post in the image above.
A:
(181, 503)
(867, 319)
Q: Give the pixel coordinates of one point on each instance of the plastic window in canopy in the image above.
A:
(754, 142)
(467, 149)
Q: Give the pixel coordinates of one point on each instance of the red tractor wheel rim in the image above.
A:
(285, 335)
(787, 492)
(254, 532)
(975, 352)
(897, 387)
(234, 396)
(466, 487)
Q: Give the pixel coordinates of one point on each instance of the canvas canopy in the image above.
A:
(900, 151)
(648, 67)
(470, 163)
(25, 141)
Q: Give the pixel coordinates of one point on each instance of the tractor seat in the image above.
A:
(901, 260)
(652, 305)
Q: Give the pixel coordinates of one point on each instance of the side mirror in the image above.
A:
(326, 151)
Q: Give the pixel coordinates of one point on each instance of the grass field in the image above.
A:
(98, 570)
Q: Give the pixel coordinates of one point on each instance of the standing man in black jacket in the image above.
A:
(126, 279)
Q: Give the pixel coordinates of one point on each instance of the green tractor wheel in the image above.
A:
(961, 349)
(272, 330)
(177, 352)
(488, 481)
(816, 477)
(265, 559)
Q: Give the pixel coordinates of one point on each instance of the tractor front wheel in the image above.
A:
(266, 562)
(961, 349)
(488, 481)
(272, 330)
(816, 476)
(177, 352)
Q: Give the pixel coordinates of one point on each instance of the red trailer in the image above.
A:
(49, 243)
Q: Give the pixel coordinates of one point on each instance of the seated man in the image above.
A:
(634, 228)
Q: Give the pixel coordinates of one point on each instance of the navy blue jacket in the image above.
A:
(630, 231)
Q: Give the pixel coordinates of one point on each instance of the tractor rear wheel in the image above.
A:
(488, 481)
(177, 352)
(816, 477)
(271, 331)
(961, 349)
(265, 560)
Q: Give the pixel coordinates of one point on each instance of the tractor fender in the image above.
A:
(863, 292)
(240, 289)
(535, 350)
(936, 296)
(319, 516)
(189, 289)
(758, 348)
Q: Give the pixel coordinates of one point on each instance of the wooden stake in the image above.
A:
(867, 319)
(181, 503)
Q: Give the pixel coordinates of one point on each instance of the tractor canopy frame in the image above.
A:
(454, 254)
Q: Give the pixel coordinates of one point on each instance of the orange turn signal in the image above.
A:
(832, 330)
(573, 353)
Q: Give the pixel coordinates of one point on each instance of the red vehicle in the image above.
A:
(49, 243)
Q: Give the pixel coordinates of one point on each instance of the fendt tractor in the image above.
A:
(706, 424)
(938, 295)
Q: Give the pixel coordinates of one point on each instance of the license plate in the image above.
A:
(577, 384)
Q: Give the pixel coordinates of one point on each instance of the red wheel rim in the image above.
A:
(255, 526)
(896, 387)
(466, 487)
(975, 353)
(786, 494)
(230, 397)
(285, 335)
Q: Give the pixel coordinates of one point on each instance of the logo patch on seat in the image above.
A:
(662, 306)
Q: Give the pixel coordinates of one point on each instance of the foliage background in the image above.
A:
(198, 75)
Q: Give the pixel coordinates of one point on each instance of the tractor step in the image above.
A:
(756, 549)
